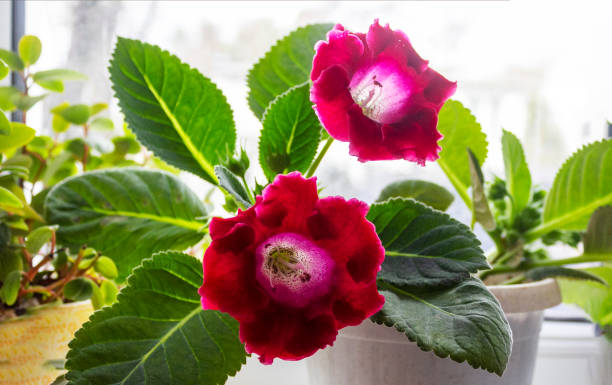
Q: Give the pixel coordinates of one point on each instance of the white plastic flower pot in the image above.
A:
(373, 354)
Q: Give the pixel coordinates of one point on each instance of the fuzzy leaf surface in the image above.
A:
(290, 135)
(127, 214)
(424, 248)
(174, 110)
(581, 186)
(464, 322)
(461, 131)
(429, 193)
(285, 65)
(157, 333)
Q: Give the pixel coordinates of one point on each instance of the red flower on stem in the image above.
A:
(293, 269)
(374, 91)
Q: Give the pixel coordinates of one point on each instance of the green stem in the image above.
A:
(317, 161)
(248, 189)
(551, 262)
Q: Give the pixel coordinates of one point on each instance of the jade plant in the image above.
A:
(36, 267)
(284, 267)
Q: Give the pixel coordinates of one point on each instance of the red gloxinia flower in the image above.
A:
(293, 269)
(374, 91)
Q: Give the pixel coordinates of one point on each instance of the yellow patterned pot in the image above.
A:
(29, 343)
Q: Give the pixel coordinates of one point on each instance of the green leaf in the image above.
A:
(230, 183)
(464, 322)
(109, 291)
(481, 212)
(76, 114)
(429, 193)
(24, 102)
(4, 70)
(291, 132)
(97, 297)
(9, 200)
(582, 185)
(51, 85)
(5, 125)
(174, 111)
(6, 97)
(38, 238)
(9, 261)
(10, 287)
(461, 131)
(106, 267)
(540, 273)
(598, 237)
(11, 59)
(102, 124)
(157, 331)
(595, 299)
(78, 289)
(424, 247)
(285, 65)
(29, 48)
(97, 108)
(518, 177)
(59, 124)
(60, 75)
(110, 209)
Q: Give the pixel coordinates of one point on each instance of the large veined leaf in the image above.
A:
(431, 194)
(287, 64)
(583, 184)
(290, 135)
(461, 131)
(127, 214)
(424, 248)
(598, 237)
(518, 177)
(465, 322)
(157, 333)
(593, 297)
(174, 110)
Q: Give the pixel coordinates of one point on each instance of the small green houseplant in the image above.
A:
(38, 272)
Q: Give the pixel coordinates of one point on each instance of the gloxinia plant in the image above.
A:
(285, 268)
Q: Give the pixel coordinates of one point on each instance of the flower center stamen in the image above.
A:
(292, 269)
(282, 261)
(382, 90)
(367, 96)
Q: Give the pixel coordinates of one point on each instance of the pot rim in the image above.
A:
(527, 297)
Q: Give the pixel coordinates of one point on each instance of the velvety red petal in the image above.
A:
(289, 335)
(229, 283)
(331, 99)
(385, 42)
(365, 137)
(291, 198)
(437, 89)
(416, 138)
(355, 303)
(342, 48)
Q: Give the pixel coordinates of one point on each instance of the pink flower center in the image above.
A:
(292, 269)
(382, 90)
